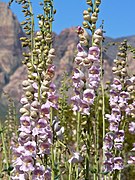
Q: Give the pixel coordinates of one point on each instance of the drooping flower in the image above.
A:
(116, 84)
(25, 124)
(113, 125)
(81, 55)
(30, 148)
(119, 136)
(108, 166)
(38, 173)
(108, 142)
(88, 96)
(94, 53)
(118, 163)
(131, 160)
(84, 107)
(75, 158)
(27, 163)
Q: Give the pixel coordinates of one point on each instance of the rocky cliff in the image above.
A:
(10, 46)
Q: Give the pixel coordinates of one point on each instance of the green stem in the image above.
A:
(103, 100)
(52, 147)
(70, 172)
(119, 175)
(4, 148)
(97, 145)
(32, 31)
(88, 150)
(78, 139)
(78, 130)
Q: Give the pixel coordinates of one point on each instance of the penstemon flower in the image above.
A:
(88, 81)
(120, 102)
(35, 131)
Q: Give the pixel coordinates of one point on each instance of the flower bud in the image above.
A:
(40, 23)
(24, 110)
(94, 18)
(28, 94)
(86, 25)
(98, 2)
(26, 83)
(123, 62)
(44, 88)
(114, 69)
(130, 88)
(89, 10)
(27, 106)
(86, 15)
(49, 61)
(35, 104)
(89, 2)
(48, 38)
(124, 70)
(33, 114)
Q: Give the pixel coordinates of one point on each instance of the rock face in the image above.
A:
(12, 72)
(10, 46)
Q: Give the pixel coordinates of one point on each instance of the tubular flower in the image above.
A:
(90, 61)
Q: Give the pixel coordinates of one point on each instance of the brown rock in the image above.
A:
(10, 45)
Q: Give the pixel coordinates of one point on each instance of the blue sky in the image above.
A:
(118, 15)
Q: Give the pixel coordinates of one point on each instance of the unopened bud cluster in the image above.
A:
(90, 15)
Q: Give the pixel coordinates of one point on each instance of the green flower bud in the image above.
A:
(114, 69)
(124, 70)
(24, 110)
(33, 114)
(44, 94)
(98, 2)
(123, 62)
(28, 93)
(86, 25)
(48, 38)
(130, 88)
(94, 19)
(87, 17)
(89, 10)
(89, 2)
(93, 26)
(31, 77)
(25, 83)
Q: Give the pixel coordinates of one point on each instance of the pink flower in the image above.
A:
(94, 53)
(27, 164)
(40, 127)
(84, 107)
(108, 166)
(48, 174)
(30, 148)
(38, 173)
(119, 136)
(25, 124)
(131, 160)
(118, 163)
(116, 84)
(45, 108)
(76, 158)
(81, 52)
(88, 96)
